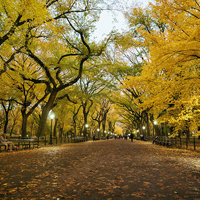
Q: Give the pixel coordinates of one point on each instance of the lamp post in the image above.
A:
(143, 131)
(98, 133)
(154, 125)
(86, 126)
(52, 117)
(137, 133)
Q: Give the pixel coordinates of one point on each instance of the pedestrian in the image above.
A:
(7, 143)
(93, 138)
(142, 137)
(154, 140)
(131, 137)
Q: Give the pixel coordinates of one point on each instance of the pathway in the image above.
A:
(113, 169)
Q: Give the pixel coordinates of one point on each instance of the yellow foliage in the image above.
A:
(169, 82)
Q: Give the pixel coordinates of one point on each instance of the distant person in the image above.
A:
(7, 143)
(131, 137)
(154, 140)
(93, 138)
(142, 137)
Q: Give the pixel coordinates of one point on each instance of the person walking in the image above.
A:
(131, 137)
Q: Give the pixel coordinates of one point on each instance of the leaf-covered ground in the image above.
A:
(113, 169)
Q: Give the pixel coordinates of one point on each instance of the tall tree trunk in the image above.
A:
(7, 109)
(45, 112)
(60, 132)
(6, 122)
(24, 122)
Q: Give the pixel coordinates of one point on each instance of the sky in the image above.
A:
(107, 22)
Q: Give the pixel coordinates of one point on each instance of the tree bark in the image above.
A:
(45, 112)
(24, 121)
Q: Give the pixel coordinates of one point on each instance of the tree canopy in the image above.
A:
(49, 62)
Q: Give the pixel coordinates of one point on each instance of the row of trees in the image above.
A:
(147, 74)
(167, 89)
(47, 55)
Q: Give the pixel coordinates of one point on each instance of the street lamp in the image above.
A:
(155, 122)
(98, 133)
(143, 132)
(154, 125)
(86, 130)
(52, 117)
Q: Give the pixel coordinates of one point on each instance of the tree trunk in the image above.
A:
(24, 122)
(6, 122)
(45, 112)
(60, 132)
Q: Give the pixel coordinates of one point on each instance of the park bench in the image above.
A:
(26, 143)
(163, 143)
(79, 139)
(4, 147)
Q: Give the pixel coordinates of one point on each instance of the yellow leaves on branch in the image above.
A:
(29, 9)
(170, 81)
(180, 41)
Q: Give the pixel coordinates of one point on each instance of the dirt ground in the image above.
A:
(113, 169)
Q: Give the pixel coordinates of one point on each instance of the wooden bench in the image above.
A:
(164, 143)
(26, 143)
(4, 146)
(79, 139)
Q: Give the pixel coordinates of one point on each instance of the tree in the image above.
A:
(170, 79)
(126, 60)
(40, 29)
(26, 94)
(91, 86)
(7, 106)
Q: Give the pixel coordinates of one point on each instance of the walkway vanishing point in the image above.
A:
(110, 170)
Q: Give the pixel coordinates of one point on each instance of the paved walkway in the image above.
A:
(114, 169)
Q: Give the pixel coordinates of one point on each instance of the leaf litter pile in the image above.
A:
(113, 169)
